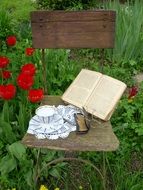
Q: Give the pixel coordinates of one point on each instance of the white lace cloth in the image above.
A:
(53, 122)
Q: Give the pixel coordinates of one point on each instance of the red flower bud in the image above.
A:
(25, 81)
(6, 74)
(4, 61)
(35, 95)
(132, 92)
(28, 69)
(29, 51)
(11, 40)
(7, 92)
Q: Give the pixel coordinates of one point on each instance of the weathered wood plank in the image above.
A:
(99, 138)
(73, 29)
(70, 16)
(52, 100)
(74, 41)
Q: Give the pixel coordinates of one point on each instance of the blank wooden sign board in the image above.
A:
(74, 29)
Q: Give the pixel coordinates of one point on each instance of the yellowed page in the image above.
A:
(104, 97)
(81, 88)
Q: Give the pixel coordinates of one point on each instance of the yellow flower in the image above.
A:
(56, 188)
(42, 187)
(13, 188)
(80, 187)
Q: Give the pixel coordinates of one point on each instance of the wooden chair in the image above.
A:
(74, 29)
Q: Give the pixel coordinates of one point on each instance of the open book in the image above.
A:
(97, 93)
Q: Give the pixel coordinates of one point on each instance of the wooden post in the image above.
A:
(44, 72)
(101, 63)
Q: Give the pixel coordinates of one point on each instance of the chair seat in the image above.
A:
(100, 137)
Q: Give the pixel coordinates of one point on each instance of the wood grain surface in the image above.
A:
(73, 29)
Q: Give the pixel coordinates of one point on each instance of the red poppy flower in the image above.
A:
(8, 91)
(35, 95)
(11, 40)
(132, 92)
(28, 69)
(25, 81)
(6, 74)
(29, 51)
(4, 61)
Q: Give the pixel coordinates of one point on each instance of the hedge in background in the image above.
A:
(67, 4)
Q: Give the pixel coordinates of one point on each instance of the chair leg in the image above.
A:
(72, 158)
(37, 169)
(58, 160)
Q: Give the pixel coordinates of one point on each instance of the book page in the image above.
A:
(81, 88)
(104, 97)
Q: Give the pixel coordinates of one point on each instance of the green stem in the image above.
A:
(1, 76)
(104, 171)
(107, 161)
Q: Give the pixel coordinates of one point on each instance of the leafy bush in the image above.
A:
(67, 4)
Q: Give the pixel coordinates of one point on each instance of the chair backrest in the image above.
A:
(73, 29)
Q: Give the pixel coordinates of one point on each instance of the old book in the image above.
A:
(97, 93)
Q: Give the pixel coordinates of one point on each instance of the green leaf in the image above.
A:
(7, 134)
(132, 62)
(7, 164)
(136, 187)
(50, 155)
(139, 131)
(5, 112)
(29, 178)
(55, 173)
(23, 118)
(61, 165)
(18, 150)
